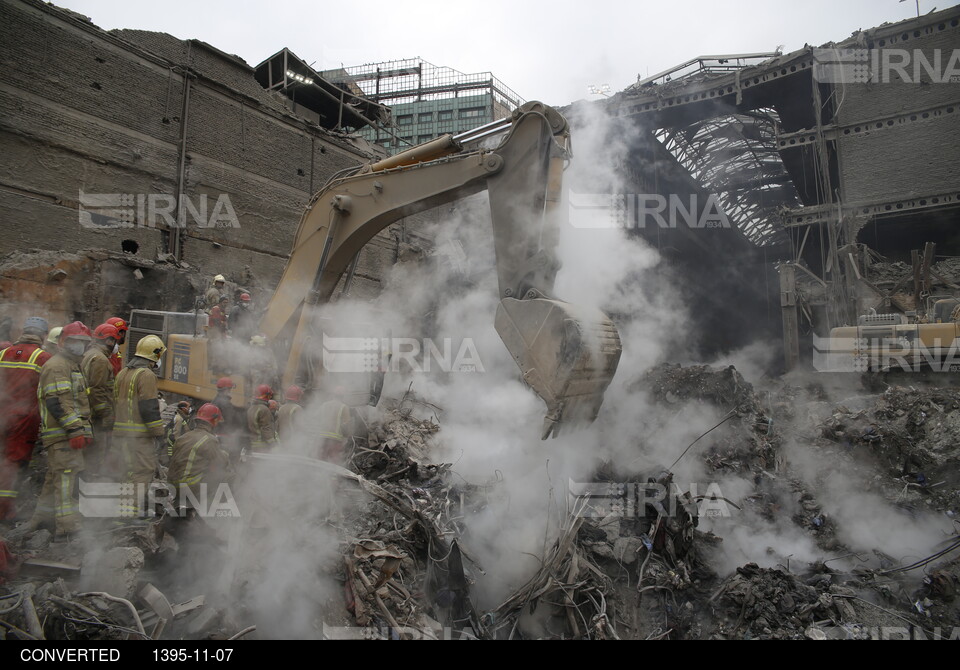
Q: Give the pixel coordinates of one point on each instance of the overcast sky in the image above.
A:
(549, 51)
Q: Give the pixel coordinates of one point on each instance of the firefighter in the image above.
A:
(233, 425)
(115, 357)
(20, 367)
(288, 417)
(334, 424)
(214, 293)
(263, 433)
(223, 398)
(50, 346)
(138, 423)
(197, 457)
(242, 320)
(177, 426)
(66, 432)
(100, 377)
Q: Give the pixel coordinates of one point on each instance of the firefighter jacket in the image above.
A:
(263, 432)
(99, 375)
(137, 407)
(212, 297)
(197, 457)
(287, 419)
(334, 421)
(62, 395)
(20, 366)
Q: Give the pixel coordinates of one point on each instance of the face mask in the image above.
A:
(75, 348)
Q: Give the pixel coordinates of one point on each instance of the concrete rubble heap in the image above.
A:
(406, 570)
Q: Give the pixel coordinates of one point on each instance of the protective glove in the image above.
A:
(80, 442)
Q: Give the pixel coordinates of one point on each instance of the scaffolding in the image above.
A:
(416, 80)
(426, 100)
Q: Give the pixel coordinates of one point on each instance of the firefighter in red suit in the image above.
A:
(20, 365)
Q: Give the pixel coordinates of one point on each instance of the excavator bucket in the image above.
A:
(567, 354)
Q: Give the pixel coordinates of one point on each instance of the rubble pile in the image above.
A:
(624, 564)
(913, 434)
(65, 591)
(748, 443)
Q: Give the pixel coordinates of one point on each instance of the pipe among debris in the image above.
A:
(122, 601)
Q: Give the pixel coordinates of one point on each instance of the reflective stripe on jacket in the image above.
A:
(61, 378)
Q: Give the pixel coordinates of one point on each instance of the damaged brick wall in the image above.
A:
(915, 151)
(85, 110)
(91, 286)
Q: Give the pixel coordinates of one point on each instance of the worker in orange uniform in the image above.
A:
(260, 423)
(288, 416)
(66, 431)
(20, 366)
(115, 357)
(138, 423)
(99, 374)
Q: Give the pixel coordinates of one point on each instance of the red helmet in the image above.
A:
(118, 323)
(244, 297)
(225, 383)
(273, 405)
(75, 329)
(105, 330)
(264, 392)
(293, 393)
(210, 413)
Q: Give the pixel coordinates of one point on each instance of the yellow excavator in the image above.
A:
(890, 343)
(566, 354)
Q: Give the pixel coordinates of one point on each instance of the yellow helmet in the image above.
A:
(150, 347)
(54, 335)
(218, 278)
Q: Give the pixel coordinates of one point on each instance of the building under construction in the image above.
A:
(426, 100)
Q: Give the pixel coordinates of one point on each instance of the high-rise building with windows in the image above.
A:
(427, 101)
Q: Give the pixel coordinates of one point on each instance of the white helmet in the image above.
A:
(218, 278)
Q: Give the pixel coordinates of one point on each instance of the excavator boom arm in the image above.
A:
(568, 356)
